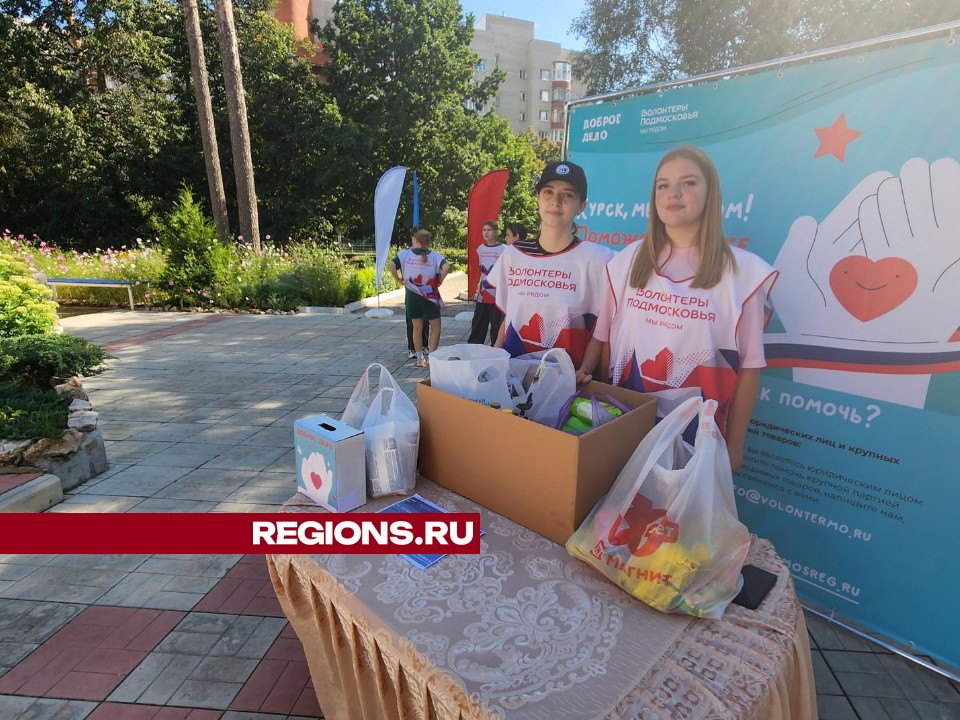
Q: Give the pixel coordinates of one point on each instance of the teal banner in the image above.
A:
(844, 174)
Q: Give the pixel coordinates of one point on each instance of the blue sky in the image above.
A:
(552, 18)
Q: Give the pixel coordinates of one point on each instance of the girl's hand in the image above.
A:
(583, 377)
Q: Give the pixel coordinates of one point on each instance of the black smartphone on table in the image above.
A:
(757, 584)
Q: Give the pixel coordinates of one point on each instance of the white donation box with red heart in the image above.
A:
(331, 467)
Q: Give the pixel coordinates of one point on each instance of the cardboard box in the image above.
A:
(542, 478)
(331, 466)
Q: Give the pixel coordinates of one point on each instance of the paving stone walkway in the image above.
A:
(197, 414)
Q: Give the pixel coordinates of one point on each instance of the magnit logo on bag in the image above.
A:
(644, 528)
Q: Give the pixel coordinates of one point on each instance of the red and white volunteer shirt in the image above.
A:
(420, 273)
(487, 255)
(668, 335)
(552, 300)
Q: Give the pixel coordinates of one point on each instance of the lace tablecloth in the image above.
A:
(525, 631)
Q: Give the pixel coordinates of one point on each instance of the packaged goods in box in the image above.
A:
(544, 479)
(331, 468)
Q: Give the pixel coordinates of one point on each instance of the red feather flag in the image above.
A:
(483, 204)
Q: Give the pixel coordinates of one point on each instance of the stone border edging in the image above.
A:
(71, 459)
(36, 495)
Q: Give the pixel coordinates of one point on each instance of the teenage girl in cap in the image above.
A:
(550, 287)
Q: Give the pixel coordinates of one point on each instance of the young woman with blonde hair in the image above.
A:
(685, 311)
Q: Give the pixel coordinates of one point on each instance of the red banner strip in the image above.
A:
(239, 533)
(483, 204)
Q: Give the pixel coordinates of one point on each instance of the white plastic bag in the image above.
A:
(474, 372)
(391, 433)
(668, 531)
(548, 379)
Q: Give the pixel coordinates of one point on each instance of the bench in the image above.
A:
(89, 282)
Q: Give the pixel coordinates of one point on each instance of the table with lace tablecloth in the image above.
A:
(525, 631)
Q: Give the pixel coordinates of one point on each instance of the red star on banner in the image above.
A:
(834, 139)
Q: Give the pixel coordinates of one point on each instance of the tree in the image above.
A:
(306, 153)
(524, 155)
(90, 129)
(239, 130)
(402, 73)
(632, 42)
(627, 44)
(208, 134)
(100, 128)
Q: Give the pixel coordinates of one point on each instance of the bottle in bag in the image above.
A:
(391, 458)
(383, 467)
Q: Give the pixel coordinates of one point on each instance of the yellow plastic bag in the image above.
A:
(668, 531)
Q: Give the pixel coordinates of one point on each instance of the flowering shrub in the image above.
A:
(281, 278)
(143, 262)
(25, 305)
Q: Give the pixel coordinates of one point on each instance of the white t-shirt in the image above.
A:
(420, 273)
(550, 300)
(669, 336)
(487, 255)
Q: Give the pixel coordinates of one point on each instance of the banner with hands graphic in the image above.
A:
(876, 285)
(844, 173)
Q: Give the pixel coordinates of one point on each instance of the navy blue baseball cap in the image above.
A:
(566, 171)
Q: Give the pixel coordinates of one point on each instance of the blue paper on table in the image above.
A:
(418, 504)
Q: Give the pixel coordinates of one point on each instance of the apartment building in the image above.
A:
(539, 79)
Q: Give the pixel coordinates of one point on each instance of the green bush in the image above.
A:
(362, 284)
(38, 358)
(210, 274)
(321, 273)
(456, 257)
(189, 237)
(28, 413)
(25, 307)
(226, 267)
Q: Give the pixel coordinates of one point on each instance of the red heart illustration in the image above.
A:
(868, 289)
(658, 368)
(533, 330)
(316, 480)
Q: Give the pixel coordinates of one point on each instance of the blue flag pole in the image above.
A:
(416, 201)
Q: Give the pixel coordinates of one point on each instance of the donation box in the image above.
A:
(330, 461)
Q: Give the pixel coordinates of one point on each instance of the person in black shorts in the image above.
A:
(421, 271)
(411, 351)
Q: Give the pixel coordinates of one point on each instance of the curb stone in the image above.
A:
(35, 496)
